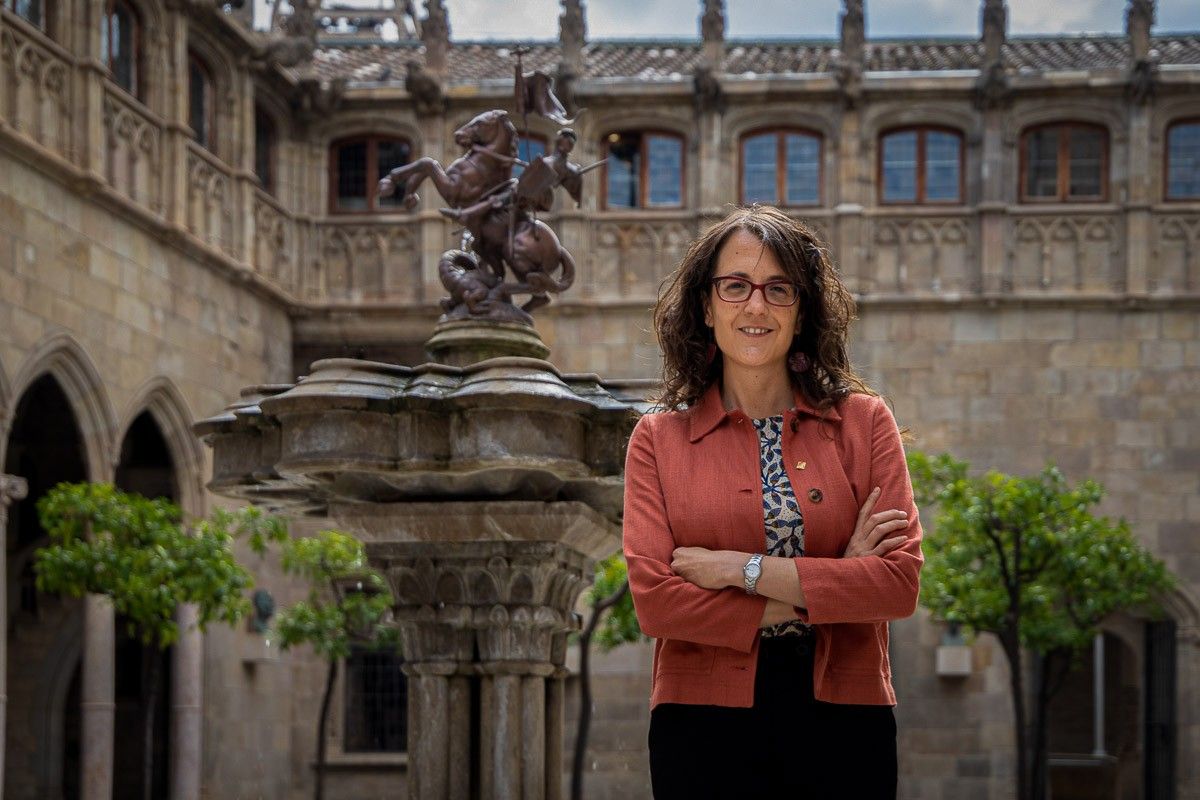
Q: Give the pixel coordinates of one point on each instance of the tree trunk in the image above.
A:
(585, 688)
(1012, 651)
(330, 678)
(152, 657)
(1039, 767)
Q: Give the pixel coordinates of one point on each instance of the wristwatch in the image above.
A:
(751, 573)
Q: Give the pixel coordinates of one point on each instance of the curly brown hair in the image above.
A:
(826, 309)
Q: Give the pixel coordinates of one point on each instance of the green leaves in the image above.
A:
(136, 552)
(1026, 557)
(620, 626)
(347, 602)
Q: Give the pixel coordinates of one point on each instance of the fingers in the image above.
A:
(888, 545)
(885, 530)
(867, 507)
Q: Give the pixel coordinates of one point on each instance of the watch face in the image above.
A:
(753, 570)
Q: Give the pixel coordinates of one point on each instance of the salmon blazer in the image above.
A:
(692, 478)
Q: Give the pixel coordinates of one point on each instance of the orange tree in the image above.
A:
(137, 553)
(1025, 559)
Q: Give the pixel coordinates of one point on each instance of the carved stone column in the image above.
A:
(89, 96)
(851, 226)
(11, 488)
(992, 97)
(98, 697)
(175, 111)
(187, 719)
(484, 620)
(1143, 68)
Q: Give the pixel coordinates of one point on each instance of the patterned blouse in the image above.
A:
(781, 512)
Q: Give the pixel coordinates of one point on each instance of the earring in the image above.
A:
(798, 362)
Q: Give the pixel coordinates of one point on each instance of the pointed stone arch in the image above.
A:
(61, 357)
(5, 405)
(160, 398)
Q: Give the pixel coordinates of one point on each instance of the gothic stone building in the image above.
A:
(182, 215)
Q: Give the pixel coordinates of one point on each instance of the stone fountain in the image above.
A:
(486, 483)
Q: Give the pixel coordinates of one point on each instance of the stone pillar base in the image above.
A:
(462, 342)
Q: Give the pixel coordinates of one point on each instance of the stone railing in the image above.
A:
(928, 253)
(628, 254)
(210, 200)
(370, 259)
(1175, 258)
(1065, 249)
(36, 98)
(275, 249)
(133, 150)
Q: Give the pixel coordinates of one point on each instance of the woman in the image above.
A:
(756, 556)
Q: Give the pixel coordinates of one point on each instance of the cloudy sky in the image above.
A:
(538, 19)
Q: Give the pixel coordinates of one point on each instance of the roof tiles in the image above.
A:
(472, 62)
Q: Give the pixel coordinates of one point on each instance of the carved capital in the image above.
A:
(493, 601)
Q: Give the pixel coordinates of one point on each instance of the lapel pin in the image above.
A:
(801, 464)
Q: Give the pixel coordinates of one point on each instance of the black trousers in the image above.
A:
(787, 745)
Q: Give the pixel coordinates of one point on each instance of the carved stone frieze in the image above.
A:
(39, 90)
(923, 255)
(1067, 252)
(133, 151)
(1175, 266)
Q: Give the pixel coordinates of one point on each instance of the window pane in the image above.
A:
(623, 166)
(942, 152)
(198, 103)
(264, 147)
(124, 66)
(1183, 161)
(392, 153)
(30, 10)
(109, 21)
(1041, 163)
(803, 153)
(900, 167)
(665, 154)
(352, 176)
(527, 150)
(1087, 162)
(759, 168)
(376, 703)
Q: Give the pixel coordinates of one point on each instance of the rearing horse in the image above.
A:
(490, 141)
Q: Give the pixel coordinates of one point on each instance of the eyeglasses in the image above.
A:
(733, 289)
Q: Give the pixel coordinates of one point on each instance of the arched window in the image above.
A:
(120, 45)
(781, 167)
(921, 165)
(33, 11)
(1065, 162)
(356, 167)
(1183, 160)
(264, 149)
(202, 104)
(644, 170)
(529, 147)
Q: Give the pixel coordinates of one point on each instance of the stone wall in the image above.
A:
(144, 321)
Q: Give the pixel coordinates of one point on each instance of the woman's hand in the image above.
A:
(708, 569)
(874, 535)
